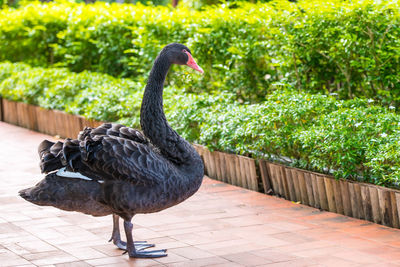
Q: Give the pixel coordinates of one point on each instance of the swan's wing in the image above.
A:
(54, 156)
(114, 129)
(116, 158)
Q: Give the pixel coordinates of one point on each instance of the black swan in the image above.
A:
(121, 171)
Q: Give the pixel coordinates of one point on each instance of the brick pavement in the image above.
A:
(221, 225)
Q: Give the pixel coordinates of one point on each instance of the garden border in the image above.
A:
(359, 200)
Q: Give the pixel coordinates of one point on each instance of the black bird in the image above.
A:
(113, 169)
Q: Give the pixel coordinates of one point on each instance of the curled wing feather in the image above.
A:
(114, 129)
(116, 158)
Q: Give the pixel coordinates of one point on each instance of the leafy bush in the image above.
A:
(7, 69)
(29, 34)
(352, 139)
(346, 47)
(109, 101)
(92, 95)
(28, 85)
(61, 92)
(351, 48)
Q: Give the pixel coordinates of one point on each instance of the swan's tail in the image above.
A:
(54, 156)
(50, 156)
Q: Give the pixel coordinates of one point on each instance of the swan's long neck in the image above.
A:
(153, 121)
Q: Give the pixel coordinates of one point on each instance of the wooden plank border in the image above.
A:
(265, 177)
(1, 109)
(10, 111)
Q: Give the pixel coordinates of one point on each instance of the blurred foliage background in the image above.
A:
(197, 4)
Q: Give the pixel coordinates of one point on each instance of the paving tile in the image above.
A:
(16, 237)
(74, 264)
(383, 264)
(186, 230)
(220, 235)
(36, 246)
(172, 258)
(246, 260)
(83, 253)
(201, 262)
(42, 223)
(293, 237)
(16, 249)
(146, 233)
(324, 251)
(242, 221)
(8, 258)
(236, 249)
(127, 262)
(47, 234)
(196, 239)
(169, 245)
(332, 261)
(50, 257)
(385, 252)
(14, 217)
(222, 244)
(108, 250)
(161, 240)
(272, 255)
(191, 253)
(107, 261)
(229, 264)
(263, 239)
(287, 226)
(300, 262)
(307, 245)
(174, 226)
(358, 257)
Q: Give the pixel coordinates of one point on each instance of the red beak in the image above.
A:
(191, 63)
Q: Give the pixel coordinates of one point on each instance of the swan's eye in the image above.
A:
(184, 51)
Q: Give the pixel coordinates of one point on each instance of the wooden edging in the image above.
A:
(359, 200)
(52, 122)
(229, 168)
(364, 201)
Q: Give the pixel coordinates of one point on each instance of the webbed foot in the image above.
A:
(147, 253)
(133, 248)
(139, 245)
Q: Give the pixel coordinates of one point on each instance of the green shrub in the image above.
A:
(345, 139)
(350, 139)
(29, 34)
(109, 101)
(61, 92)
(28, 85)
(93, 95)
(8, 68)
(351, 48)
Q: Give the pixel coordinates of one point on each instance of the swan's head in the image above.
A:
(181, 55)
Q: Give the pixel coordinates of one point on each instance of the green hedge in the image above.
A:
(352, 139)
(344, 47)
(92, 95)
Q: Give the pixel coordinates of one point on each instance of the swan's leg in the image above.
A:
(131, 246)
(116, 237)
